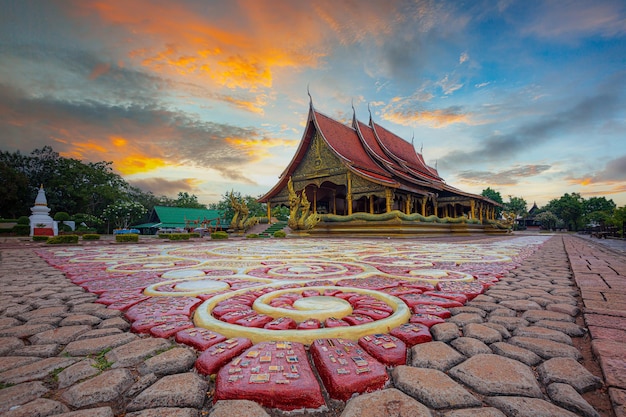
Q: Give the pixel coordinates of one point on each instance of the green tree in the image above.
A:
(597, 210)
(255, 208)
(495, 196)
(123, 213)
(188, 201)
(569, 209)
(547, 219)
(516, 205)
(14, 191)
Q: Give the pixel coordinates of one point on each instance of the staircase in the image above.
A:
(269, 232)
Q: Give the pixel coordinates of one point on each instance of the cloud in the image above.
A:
(538, 131)
(613, 172)
(575, 19)
(411, 112)
(161, 186)
(502, 178)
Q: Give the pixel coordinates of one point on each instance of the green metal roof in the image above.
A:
(169, 217)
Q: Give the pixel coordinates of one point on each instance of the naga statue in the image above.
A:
(240, 221)
(300, 216)
(509, 220)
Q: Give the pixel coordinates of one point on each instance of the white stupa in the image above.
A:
(40, 216)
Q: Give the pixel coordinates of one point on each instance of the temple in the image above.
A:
(361, 179)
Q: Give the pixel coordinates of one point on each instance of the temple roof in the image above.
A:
(372, 152)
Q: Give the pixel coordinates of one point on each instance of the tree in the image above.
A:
(122, 214)
(495, 196)
(568, 208)
(516, 205)
(255, 208)
(547, 219)
(14, 191)
(597, 210)
(188, 201)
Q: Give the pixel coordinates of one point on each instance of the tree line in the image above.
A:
(91, 192)
(570, 211)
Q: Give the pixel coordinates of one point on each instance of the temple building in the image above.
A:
(366, 169)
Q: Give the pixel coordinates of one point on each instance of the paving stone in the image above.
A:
(468, 309)
(567, 397)
(107, 386)
(35, 370)
(388, 402)
(10, 362)
(571, 329)
(136, 351)
(481, 332)
(503, 312)
(77, 372)
(516, 352)
(93, 346)
(543, 333)
(500, 328)
(569, 371)
(546, 348)
(42, 351)
(20, 394)
(180, 390)
(618, 399)
(166, 412)
(535, 316)
(90, 412)
(172, 361)
(475, 412)
(444, 332)
(469, 346)
(435, 355)
(115, 323)
(141, 384)
(8, 344)
(492, 375)
(527, 407)
(520, 305)
(41, 407)
(60, 335)
(99, 333)
(487, 306)
(237, 408)
(77, 319)
(570, 310)
(432, 388)
(8, 322)
(510, 323)
(54, 321)
(612, 357)
(25, 330)
(58, 311)
(465, 318)
(502, 294)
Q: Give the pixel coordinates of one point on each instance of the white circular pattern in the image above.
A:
(202, 285)
(183, 273)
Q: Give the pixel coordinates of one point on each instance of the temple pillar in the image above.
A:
(315, 200)
(349, 193)
(334, 201)
(424, 206)
(472, 209)
(388, 198)
(269, 213)
(407, 206)
(371, 204)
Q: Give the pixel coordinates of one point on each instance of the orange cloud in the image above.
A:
(434, 118)
(259, 149)
(138, 163)
(99, 70)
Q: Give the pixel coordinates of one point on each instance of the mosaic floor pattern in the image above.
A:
(253, 308)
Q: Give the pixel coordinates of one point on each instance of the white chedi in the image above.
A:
(41, 216)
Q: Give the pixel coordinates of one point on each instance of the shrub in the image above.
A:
(21, 229)
(194, 234)
(3, 230)
(130, 237)
(23, 220)
(219, 235)
(178, 236)
(280, 233)
(40, 238)
(252, 236)
(62, 216)
(91, 236)
(55, 240)
(163, 235)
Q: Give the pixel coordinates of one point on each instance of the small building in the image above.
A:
(180, 219)
(365, 168)
(528, 221)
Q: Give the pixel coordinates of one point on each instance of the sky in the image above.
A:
(205, 96)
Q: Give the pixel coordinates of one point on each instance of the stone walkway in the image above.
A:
(547, 340)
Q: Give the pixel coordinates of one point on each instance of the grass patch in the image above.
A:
(55, 374)
(101, 363)
(4, 385)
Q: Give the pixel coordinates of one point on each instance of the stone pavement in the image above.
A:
(547, 340)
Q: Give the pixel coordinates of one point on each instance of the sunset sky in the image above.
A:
(204, 97)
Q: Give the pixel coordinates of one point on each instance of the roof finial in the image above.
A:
(370, 112)
(413, 139)
(436, 164)
(421, 148)
(309, 94)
